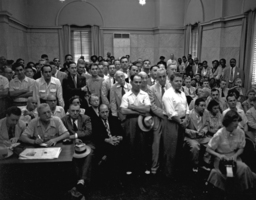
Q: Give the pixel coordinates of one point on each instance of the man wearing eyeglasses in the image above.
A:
(57, 111)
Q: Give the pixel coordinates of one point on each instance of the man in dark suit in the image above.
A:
(56, 73)
(79, 127)
(132, 70)
(93, 110)
(73, 85)
(231, 73)
(108, 137)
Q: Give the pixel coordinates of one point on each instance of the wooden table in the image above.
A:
(37, 179)
(66, 155)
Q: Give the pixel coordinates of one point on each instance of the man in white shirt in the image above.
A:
(47, 85)
(134, 103)
(231, 99)
(171, 61)
(21, 87)
(57, 111)
(188, 89)
(107, 84)
(176, 111)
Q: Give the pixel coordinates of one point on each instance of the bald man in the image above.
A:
(29, 112)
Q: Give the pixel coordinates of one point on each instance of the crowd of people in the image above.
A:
(136, 116)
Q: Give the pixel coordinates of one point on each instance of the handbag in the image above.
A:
(228, 167)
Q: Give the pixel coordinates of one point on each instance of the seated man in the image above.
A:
(57, 111)
(215, 95)
(79, 127)
(251, 116)
(10, 126)
(45, 128)
(232, 103)
(201, 93)
(29, 112)
(247, 104)
(188, 89)
(108, 137)
(196, 130)
(93, 110)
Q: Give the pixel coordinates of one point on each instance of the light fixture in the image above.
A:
(142, 2)
(62, 0)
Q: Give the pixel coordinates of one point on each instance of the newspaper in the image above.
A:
(40, 153)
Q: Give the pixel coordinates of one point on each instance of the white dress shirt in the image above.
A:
(129, 98)
(175, 103)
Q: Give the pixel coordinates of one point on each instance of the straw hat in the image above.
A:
(145, 123)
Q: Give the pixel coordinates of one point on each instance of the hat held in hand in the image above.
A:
(81, 150)
(145, 123)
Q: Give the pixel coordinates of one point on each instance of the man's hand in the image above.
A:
(176, 119)
(51, 142)
(113, 141)
(38, 141)
(84, 88)
(223, 157)
(14, 140)
(183, 122)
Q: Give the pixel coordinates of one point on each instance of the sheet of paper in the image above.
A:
(40, 153)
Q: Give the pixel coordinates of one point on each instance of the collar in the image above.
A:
(52, 124)
(57, 109)
(56, 73)
(25, 79)
(125, 85)
(131, 93)
(43, 81)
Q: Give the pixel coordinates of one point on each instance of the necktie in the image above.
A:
(222, 93)
(163, 90)
(107, 128)
(189, 91)
(11, 132)
(74, 79)
(231, 75)
(75, 126)
(123, 91)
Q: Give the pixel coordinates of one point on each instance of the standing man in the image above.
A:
(171, 61)
(133, 69)
(94, 84)
(21, 87)
(4, 87)
(231, 73)
(47, 85)
(11, 127)
(146, 67)
(56, 73)
(73, 85)
(117, 91)
(153, 75)
(107, 84)
(176, 114)
(195, 67)
(124, 65)
(134, 103)
(158, 91)
(68, 59)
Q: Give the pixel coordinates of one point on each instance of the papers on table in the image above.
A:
(40, 153)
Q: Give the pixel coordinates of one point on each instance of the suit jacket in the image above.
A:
(69, 90)
(116, 99)
(195, 69)
(105, 90)
(192, 123)
(238, 74)
(84, 127)
(19, 128)
(94, 117)
(150, 82)
(61, 75)
(100, 133)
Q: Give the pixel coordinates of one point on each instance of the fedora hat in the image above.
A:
(145, 123)
(5, 152)
(81, 150)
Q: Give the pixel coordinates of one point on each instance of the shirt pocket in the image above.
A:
(53, 90)
(42, 91)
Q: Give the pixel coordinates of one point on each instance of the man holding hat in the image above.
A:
(134, 103)
(80, 129)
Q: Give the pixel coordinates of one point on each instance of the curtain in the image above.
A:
(97, 41)
(199, 44)
(187, 39)
(246, 46)
(64, 41)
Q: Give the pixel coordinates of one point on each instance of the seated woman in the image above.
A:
(215, 117)
(228, 144)
(75, 100)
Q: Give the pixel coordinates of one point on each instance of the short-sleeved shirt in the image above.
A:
(4, 83)
(59, 112)
(94, 85)
(26, 83)
(42, 90)
(141, 98)
(54, 129)
(225, 142)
